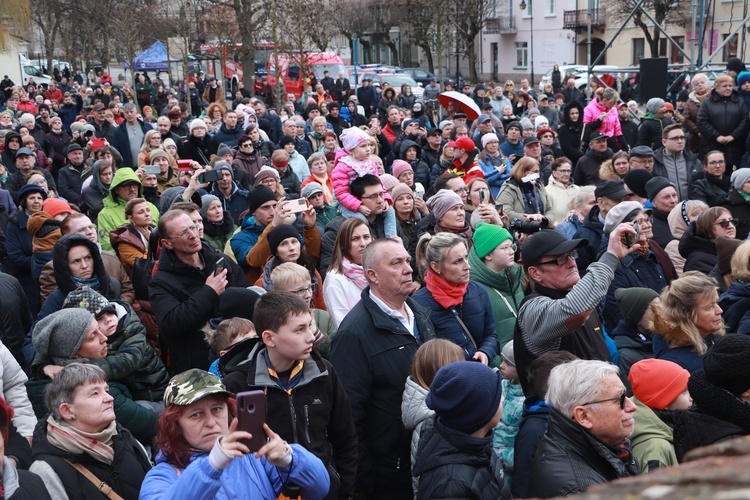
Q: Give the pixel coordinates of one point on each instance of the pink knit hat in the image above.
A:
(399, 167)
(353, 137)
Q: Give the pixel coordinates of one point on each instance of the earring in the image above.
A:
(72, 417)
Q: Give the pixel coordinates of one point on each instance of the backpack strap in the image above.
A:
(103, 487)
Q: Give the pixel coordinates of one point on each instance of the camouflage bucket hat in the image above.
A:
(192, 385)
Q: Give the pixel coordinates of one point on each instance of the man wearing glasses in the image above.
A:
(586, 441)
(186, 290)
(561, 313)
(675, 162)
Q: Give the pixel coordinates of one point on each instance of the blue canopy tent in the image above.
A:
(152, 59)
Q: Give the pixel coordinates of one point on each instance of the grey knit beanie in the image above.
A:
(60, 335)
(739, 178)
(206, 200)
(653, 105)
(442, 201)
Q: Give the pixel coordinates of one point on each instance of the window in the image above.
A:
(639, 48)
(522, 55)
(549, 8)
(676, 56)
(730, 49)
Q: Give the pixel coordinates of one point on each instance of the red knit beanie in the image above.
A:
(55, 207)
(6, 414)
(657, 382)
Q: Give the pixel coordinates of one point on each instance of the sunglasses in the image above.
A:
(725, 223)
(621, 398)
(562, 259)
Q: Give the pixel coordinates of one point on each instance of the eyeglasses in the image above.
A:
(246, 145)
(678, 138)
(644, 220)
(561, 260)
(375, 196)
(194, 229)
(510, 249)
(563, 171)
(716, 163)
(268, 182)
(621, 398)
(725, 223)
(305, 291)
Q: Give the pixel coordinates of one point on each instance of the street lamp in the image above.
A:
(531, 16)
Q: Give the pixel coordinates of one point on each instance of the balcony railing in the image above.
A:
(578, 19)
(500, 25)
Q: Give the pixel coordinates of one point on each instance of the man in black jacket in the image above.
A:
(185, 291)
(367, 97)
(586, 171)
(372, 353)
(586, 442)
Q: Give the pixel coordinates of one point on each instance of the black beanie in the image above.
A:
(286, 140)
(656, 186)
(634, 302)
(636, 181)
(238, 303)
(727, 363)
(279, 234)
(258, 196)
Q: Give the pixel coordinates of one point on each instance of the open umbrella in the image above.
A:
(464, 103)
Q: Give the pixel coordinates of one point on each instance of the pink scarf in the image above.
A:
(355, 273)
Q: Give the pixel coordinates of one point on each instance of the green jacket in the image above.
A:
(112, 215)
(324, 215)
(507, 284)
(652, 440)
(326, 325)
(131, 361)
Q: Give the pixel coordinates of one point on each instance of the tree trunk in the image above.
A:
(471, 53)
(394, 51)
(428, 54)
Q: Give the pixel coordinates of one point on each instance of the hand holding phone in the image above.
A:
(251, 415)
(297, 206)
(219, 266)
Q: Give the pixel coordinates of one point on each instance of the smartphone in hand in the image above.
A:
(251, 415)
(219, 266)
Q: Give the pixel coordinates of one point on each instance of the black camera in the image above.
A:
(528, 226)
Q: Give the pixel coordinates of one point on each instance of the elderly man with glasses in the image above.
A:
(186, 290)
(586, 441)
(561, 313)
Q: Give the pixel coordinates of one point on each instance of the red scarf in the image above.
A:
(445, 293)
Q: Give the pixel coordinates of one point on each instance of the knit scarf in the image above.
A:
(623, 451)
(532, 202)
(92, 282)
(355, 273)
(465, 231)
(99, 445)
(745, 196)
(323, 181)
(445, 293)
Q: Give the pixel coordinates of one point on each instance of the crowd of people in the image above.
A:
(547, 296)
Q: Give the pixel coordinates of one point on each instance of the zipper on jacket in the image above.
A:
(307, 426)
(294, 419)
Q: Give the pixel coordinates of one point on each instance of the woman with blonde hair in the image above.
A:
(152, 141)
(525, 199)
(429, 358)
(688, 319)
(736, 300)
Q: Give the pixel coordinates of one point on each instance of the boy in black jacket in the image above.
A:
(455, 458)
(304, 396)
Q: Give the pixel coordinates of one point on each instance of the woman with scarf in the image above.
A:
(199, 146)
(560, 188)
(218, 226)
(739, 201)
(130, 242)
(495, 166)
(92, 196)
(460, 308)
(713, 188)
(81, 449)
(319, 173)
(407, 214)
(525, 199)
(447, 215)
(570, 132)
(493, 266)
(701, 92)
(78, 262)
(345, 278)
(286, 246)
(19, 241)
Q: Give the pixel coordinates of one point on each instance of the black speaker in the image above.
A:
(653, 78)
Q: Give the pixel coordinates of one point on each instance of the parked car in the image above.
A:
(395, 80)
(423, 76)
(580, 74)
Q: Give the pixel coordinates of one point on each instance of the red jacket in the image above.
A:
(54, 94)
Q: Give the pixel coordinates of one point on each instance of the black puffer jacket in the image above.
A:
(124, 476)
(721, 116)
(451, 464)
(199, 150)
(735, 303)
(710, 190)
(15, 317)
(740, 210)
(699, 252)
(570, 132)
(569, 460)
(183, 303)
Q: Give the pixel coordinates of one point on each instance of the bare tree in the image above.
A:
(352, 19)
(469, 19)
(419, 27)
(663, 11)
(48, 15)
(386, 14)
(14, 16)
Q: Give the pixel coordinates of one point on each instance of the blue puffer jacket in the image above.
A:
(245, 240)
(245, 477)
(735, 303)
(685, 355)
(475, 312)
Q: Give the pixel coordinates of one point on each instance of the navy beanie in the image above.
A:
(465, 395)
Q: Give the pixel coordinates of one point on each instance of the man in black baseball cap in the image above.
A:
(560, 314)
(586, 171)
(607, 195)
